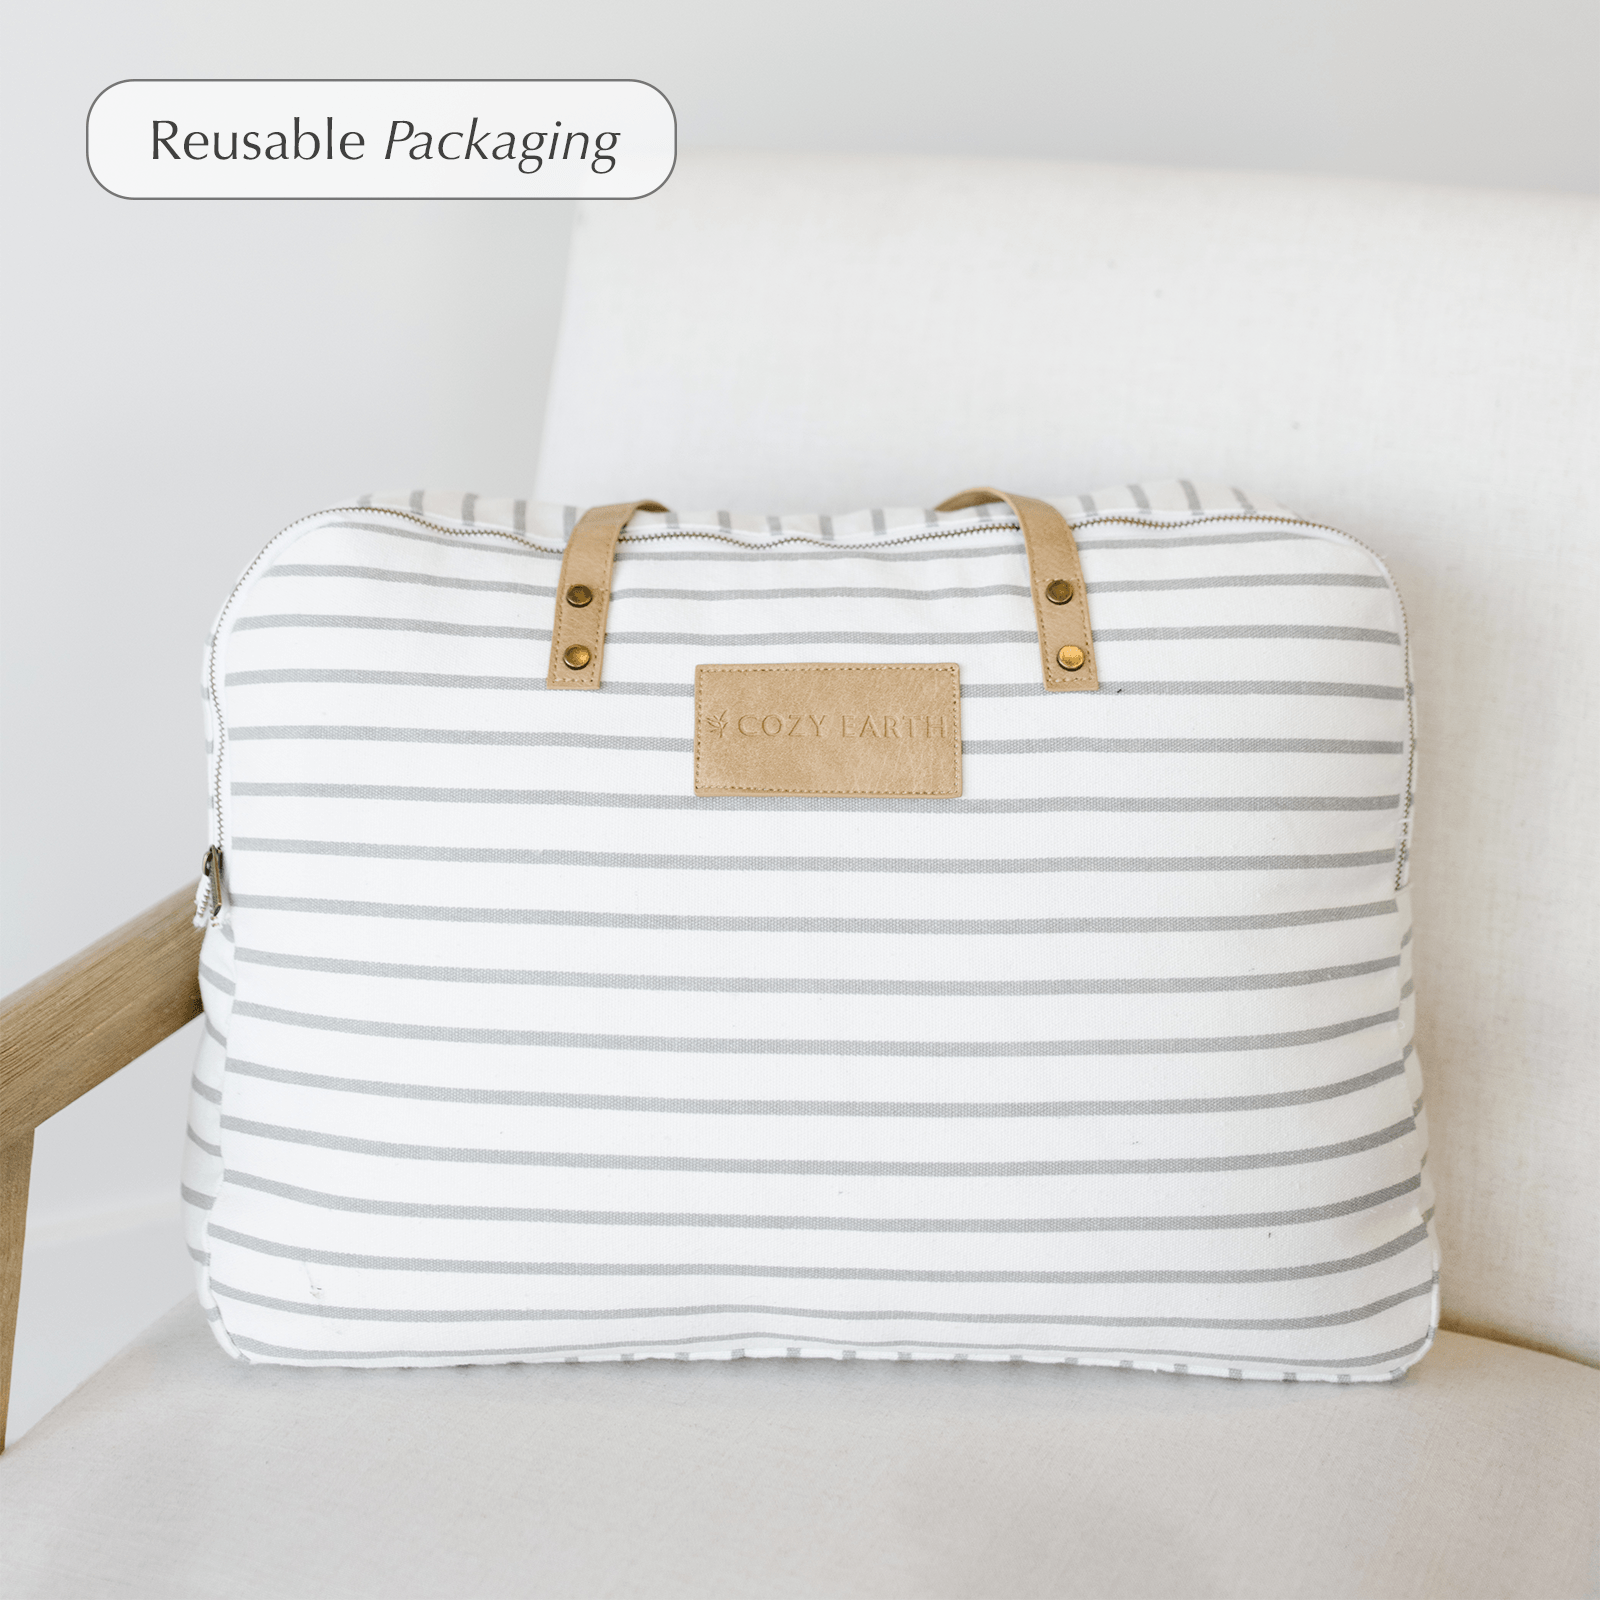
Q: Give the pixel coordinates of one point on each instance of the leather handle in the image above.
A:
(578, 638)
(1060, 603)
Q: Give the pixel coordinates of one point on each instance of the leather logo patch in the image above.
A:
(828, 729)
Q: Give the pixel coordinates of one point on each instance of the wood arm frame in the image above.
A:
(69, 1030)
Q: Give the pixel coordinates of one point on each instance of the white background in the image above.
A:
(183, 378)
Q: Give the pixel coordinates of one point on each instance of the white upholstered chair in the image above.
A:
(1417, 366)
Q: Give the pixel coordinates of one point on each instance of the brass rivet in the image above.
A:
(577, 657)
(580, 594)
(1059, 592)
(1071, 657)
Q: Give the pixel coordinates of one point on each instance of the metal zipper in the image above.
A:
(209, 900)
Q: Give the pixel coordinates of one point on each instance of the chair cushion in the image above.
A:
(174, 1473)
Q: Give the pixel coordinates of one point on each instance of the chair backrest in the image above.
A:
(1417, 366)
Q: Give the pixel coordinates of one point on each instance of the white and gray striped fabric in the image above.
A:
(518, 1051)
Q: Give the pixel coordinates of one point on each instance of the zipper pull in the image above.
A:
(208, 897)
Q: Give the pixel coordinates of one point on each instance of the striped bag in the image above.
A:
(975, 933)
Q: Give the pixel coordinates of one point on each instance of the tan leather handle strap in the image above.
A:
(1060, 603)
(578, 639)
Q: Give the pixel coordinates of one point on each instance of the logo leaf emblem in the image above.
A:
(718, 724)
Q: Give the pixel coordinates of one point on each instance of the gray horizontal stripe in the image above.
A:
(643, 1105)
(210, 1149)
(515, 737)
(431, 580)
(1244, 580)
(710, 1269)
(1246, 631)
(459, 630)
(436, 680)
(1210, 686)
(934, 926)
(1014, 635)
(753, 641)
(215, 979)
(1068, 1353)
(206, 1092)
(843, 591)
(473, 630)
(698, 984)
(520, 737)
(969, 691)
(1185, 747)
(603, 799)
(1185, 542)
(589, 1161)
(470, 855)
(545, 591)
(911, 1049)
(1330, 1319)
(193, 1197)
(838, 592)
(1215, 1222)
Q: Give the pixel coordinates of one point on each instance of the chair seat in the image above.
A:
(173, 1472)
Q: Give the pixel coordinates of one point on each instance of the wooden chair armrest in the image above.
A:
(71, 1029)
(77, 1024)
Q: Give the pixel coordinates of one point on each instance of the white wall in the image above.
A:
(182, 379)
